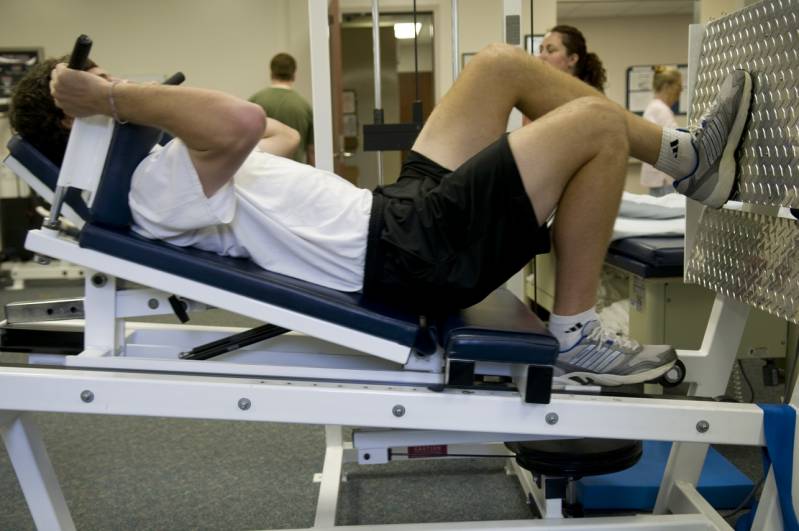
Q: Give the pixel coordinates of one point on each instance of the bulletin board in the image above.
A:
(14, 64)
(639, 88)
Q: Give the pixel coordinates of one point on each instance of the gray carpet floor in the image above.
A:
(154, 473)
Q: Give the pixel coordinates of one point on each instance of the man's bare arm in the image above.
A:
(219, 130)
(279, 139)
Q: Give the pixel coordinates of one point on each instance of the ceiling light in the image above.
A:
(404, 30)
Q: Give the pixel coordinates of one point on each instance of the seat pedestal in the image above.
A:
(556, 465)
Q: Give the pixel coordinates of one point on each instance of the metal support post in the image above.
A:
(320, 84)
(331, 478)
(378, 118)
(34, 471)
(103, 332)
(719, 347)
(456, 55)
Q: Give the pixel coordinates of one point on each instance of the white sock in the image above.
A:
(566, 328)
(677, 155)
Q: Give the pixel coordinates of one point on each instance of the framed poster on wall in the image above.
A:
(14, 64)
(640, 93)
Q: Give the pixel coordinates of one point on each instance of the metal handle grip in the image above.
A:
(175, 79)
(80, 53)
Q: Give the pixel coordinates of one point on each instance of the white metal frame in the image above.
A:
(312, 375)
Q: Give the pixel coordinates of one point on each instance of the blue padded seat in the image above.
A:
(500, 329)
(649, 256)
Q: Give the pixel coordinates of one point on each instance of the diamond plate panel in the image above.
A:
(764, 40)
(748, 257)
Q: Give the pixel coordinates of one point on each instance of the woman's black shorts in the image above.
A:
(441, 239)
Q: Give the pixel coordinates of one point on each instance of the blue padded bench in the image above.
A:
(648, 256)
(499, 329)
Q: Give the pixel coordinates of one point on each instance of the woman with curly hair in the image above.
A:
(564, 48)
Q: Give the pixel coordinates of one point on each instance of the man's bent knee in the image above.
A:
(603, 119)
(499, 56)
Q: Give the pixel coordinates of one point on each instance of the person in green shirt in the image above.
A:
(281, 102)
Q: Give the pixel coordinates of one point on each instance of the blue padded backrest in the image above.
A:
(44, 170)
(129, 145)
(244, 277)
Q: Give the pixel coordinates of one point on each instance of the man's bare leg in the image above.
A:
(551, 153)
(580, 171)
(574, 159)
(475, 110)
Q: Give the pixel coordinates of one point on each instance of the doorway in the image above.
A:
(400, 85)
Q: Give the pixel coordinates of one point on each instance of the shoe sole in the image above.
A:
(609, 380)
(728, 166)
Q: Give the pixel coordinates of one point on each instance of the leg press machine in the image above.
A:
(475, 379)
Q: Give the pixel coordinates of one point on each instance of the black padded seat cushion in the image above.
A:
(649, 256)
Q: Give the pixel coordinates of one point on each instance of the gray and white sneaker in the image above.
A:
(604, 359)
(716, 140)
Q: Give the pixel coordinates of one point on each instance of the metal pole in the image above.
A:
(377, 73)
(320, 83)
(456, 63)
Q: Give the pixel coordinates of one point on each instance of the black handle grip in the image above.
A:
(175, 79)
(83, 45)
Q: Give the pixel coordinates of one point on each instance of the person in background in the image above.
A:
(281, 102)
(564, 47)
(667, 84)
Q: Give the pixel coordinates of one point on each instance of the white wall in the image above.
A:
(626, 41)
(480, 24)
(224, 45)
(405, 56)
(227, 45)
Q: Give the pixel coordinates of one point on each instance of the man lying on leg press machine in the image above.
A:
(468, 210)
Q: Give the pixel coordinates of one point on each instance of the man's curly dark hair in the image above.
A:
(34, 115)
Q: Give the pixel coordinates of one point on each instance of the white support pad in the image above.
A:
(85, 155)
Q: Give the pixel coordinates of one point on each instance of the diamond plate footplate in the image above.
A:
(748, 257)
(764, 40)
(752, 257)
